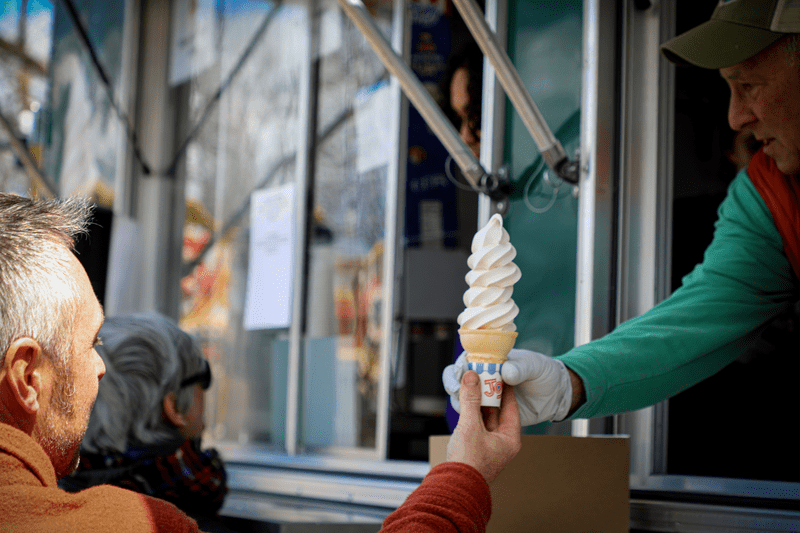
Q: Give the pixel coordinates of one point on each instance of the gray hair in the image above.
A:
(38, 299)
(792, 43)
(146, 356)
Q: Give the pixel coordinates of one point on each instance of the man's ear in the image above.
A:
(170, 410)
(23, 371)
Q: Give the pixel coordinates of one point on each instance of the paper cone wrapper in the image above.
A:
(486, 352)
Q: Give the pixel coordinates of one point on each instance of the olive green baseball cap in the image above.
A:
(738, 30)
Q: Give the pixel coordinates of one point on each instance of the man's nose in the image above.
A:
(739, 113)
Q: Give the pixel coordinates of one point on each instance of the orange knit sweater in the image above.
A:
(453, 498)
(30, 500)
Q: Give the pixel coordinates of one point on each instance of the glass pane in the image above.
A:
(85, 133)
(23, 70)
(69, 129)
(242, 142)
(9, 21)
(345, 291)
(547, 52)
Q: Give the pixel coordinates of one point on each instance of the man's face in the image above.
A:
(65, 411)
(765, 99)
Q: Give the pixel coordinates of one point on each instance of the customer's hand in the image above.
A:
(487, 438)
(542, 385)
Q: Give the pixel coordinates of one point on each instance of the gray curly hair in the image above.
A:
(147, 356)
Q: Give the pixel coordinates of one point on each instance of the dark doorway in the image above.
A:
(734, 424)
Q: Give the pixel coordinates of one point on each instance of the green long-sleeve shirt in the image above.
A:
(744, 280)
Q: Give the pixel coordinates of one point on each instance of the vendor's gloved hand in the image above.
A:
(541, 383)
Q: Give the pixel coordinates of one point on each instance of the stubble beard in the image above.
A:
(60, 441)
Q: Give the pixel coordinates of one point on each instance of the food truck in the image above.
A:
(284, 179)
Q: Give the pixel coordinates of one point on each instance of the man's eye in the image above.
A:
(98, 341)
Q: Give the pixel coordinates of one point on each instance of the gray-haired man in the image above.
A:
(751, 270)
(49, 376)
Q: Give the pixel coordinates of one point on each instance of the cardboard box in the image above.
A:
(559, 484)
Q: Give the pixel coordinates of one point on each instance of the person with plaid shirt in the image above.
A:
(144, 431)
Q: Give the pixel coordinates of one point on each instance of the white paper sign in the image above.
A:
(270, 275)
(373, 135)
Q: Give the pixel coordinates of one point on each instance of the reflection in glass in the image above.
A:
(85, 134)
(345, 290)
(244, 140)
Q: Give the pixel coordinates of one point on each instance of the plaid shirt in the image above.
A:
(192, 479)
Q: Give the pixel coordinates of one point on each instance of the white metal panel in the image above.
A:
(493, 109)
(302, 169)
(597, 205)
(645, 191)
(396, 176)
(157, 214)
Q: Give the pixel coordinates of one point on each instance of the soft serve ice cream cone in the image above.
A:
(487, 327)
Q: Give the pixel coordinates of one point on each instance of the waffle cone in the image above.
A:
(487, 345)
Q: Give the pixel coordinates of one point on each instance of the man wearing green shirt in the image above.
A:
(750, 271)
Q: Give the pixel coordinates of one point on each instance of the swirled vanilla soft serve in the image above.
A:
(491, 280)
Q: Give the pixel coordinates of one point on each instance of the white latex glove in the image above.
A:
(541, 385)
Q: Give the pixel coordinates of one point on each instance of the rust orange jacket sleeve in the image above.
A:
(453, 497)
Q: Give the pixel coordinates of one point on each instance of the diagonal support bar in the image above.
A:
(550, 148)
(417, 94)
